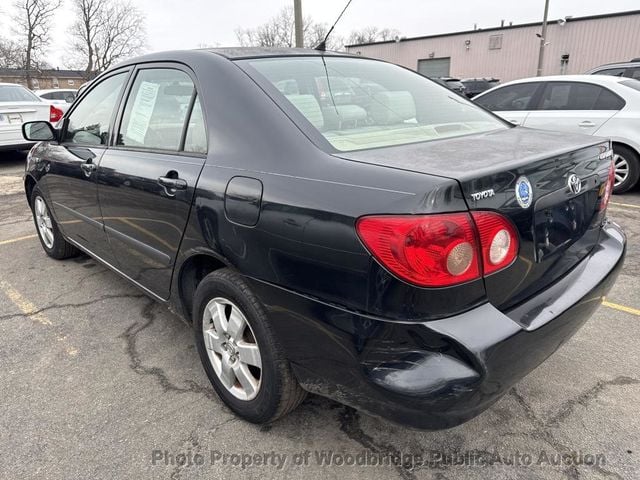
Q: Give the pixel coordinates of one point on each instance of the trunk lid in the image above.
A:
(557, 225)
(16, 113)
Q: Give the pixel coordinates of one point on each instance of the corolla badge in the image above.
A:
(524, 192)
(574, 183)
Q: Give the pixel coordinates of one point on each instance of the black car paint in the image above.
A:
(282, 213)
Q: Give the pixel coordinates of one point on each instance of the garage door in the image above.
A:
(434, 67)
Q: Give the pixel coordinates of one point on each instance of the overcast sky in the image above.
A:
(179, 24)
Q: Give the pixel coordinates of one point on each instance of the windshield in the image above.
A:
(358, 103)
(16, 93)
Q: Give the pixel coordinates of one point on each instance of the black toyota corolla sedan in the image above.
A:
(332, 224)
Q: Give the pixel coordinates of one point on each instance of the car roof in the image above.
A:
(599, 79)
(235, 53)
(49, 90)
(607, 66)
(5, 84)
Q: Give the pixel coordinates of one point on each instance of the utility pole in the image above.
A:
(543, 38)
(297, 14)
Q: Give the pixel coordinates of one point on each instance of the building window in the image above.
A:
(35, 83)
(54, 82)
(70, 82)
(564, 63)
(495, 42)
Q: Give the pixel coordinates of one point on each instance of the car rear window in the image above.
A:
(358, 104)
(16, 93)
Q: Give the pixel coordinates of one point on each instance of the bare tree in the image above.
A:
(372, 34)
(106, 32)
(279, 31)
(32, 24)
(11, 54)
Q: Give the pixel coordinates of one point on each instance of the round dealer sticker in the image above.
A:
(524, 192)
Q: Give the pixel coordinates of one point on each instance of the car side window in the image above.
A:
(615, 72)
(156, 110)
(578, 96)
(635, 73)
(196, 139)
(509, 98)
(88, 124)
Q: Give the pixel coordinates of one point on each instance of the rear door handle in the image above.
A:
(173, 183)
(586, 124)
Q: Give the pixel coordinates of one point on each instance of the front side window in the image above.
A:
(511, 98)
(156, 110)
(578, 96)
(358, 103)
(88, 124)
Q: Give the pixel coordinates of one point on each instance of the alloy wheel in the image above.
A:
(43, 220)
(232, 348)
(621, 167)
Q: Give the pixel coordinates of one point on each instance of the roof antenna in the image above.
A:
(322, 46)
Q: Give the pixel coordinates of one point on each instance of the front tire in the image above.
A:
(627, 168)
(239, 351)
(51, 239)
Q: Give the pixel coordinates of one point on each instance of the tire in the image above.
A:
(224, 296)
(622, 155)
(51, 239)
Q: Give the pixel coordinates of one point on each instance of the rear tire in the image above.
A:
(626, 162)
(239, 337)
(51, 239)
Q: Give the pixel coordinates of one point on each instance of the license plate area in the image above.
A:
(559, 225)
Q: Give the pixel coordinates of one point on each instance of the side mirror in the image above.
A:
(38, 131)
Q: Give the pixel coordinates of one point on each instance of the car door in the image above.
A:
(147, 180)
(575, 107)
(511, 102)
(71, 164)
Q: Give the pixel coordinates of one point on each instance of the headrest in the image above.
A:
(392, 107)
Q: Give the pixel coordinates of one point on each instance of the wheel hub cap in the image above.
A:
(621, 167)
(43, 220)
(232, 348)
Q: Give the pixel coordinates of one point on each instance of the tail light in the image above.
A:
(608, 187)
(55, 114)
(498, 241)
(440, 250)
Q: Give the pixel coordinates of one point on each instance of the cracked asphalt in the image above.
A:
(98, 381)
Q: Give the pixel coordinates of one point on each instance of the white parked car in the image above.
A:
(19, 105)
(60, 97)
(601, 105)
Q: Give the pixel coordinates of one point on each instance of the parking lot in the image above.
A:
(98, 381)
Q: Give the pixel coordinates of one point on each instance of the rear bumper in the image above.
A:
(441, 373)
(11, 138)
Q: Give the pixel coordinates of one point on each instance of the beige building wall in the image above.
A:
(589, 42)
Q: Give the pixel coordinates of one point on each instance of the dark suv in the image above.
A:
(475, 86)
(629, 69)
(388, 245)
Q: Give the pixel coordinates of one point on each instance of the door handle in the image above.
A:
(87, 168)
(586, 124)
(515, 122)
(173, 183)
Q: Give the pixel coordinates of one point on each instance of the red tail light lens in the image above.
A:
(440, 250)
(429, 251)
(55, 114)
(608, 187)
(498, 240)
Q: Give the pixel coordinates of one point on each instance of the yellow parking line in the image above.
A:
(30, 310)
(622, 308)
(629, 205)
(14, 240)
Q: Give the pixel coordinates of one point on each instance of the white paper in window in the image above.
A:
(141, 111)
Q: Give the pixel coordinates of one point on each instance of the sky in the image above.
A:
(183, 24)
